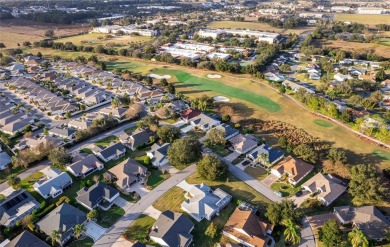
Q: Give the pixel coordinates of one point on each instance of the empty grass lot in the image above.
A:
(220, 88)
(323, 123)
(370, 20)
(258, 172)
(139, 230)
(109, 217)
(106, 141)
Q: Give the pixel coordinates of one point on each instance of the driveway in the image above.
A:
(270, 179)
(186, 129)
(232, 156)
(300, 199)
(139, 189)
(169, 168)
(120, 202)
(94, 231)
(122, 242)
(152, 212)
(307, 236)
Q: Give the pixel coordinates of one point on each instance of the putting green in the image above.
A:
(220, 88)
(323, 123)
(382, 154)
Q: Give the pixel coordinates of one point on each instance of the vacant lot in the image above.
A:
(17, 31)
(253, 25)
(370, 20)
(381, 50)
(94, 39)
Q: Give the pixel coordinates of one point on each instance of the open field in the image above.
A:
(16, 31)
(94, 39)
(370, 20)
(323, 123)
(381, 50)
(358, 150)
(254, 25)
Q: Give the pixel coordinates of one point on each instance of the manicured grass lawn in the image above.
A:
(107, 218)
(258, 172)
(286, 189)
(87, 242)
(156, 178)
(219, 149)
(323, 123)
(239, 190)
(30, 180)
(130, 130)
(382, 154)
(86, 150)
(220, 88)
(139, 230)
(106, 141)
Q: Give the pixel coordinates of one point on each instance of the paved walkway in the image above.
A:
(114, 233)
(269, 180)
(307, 235)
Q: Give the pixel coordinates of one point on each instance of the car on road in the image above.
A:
(299, 193)
(278, 193)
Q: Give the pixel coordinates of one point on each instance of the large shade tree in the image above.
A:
(184, 151)
(211, 168)
(357, 238)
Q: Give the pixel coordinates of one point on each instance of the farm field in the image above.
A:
(370, 20)
(254, 25)
(359, 150)
(23, 30)
(95, 39)
(382, 50)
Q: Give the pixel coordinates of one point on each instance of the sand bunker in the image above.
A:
(220, 99)
(159, 76)
(214, 76)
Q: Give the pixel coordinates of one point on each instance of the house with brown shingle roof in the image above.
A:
(295, 169)
(126, 174)
(328, 187)
(246, 228)
(368, 219)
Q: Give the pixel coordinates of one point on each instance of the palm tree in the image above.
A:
(291, 233)
(357, 238)
(78, 230)
(55, 236)
(92, 215)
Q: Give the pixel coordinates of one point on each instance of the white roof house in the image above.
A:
(54, 183)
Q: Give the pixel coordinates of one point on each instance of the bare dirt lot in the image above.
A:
(17, 31)
(381, 50)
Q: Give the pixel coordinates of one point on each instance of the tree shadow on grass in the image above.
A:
(239, 108)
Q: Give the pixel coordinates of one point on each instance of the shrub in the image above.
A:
(62, 199)
(45, 211)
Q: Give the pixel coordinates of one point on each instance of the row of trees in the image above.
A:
(60, 17)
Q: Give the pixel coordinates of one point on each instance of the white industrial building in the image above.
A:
(340, 9)
(261, 36)
(371, 11)
(218, 55)
(126, 29)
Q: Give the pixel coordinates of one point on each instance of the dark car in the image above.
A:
(246, 162)
(299, 193)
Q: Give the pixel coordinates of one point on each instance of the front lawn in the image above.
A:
(171, 200)
(86, 242)
(130, 130)
(30, 180)
(86, 150)
(218, 149)
(139, 230)
(258, 172)
(286, 189)
(107, 218)
(106, 141)
(157, 177)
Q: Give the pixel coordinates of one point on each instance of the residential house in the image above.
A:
(204, 203)
(53, 184)
(229, 131)
(118, 112)
(5, 160)
(247, 229)
(368, 219)
(204, 122)
(327, 187)
(12, 118)
(25, 239)
(295, 169)
(273, 77)
(172, 229)
(15, 206)
(98, 195)
(81, 125)
(243, 143)
(113, 151)
(126, 173)
(35, 143)
(295, 86)
(138, 139)
(85, 166)
(17, 126)
(341, 77)
(63, 219)
(265, 155)
(65, 133)
(189, 113)
(158, 154)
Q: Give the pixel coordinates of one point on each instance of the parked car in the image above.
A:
(246, 162)
(299, 193)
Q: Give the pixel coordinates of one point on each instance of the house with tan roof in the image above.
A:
(327, 187)
(81, 125)
(85, 166)
(368, 219)
(246, 228)
(243, 143)
(295, 169)
(126, 174)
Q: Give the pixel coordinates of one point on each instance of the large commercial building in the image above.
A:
(126, 30)
(261, 36)
(371, 11)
